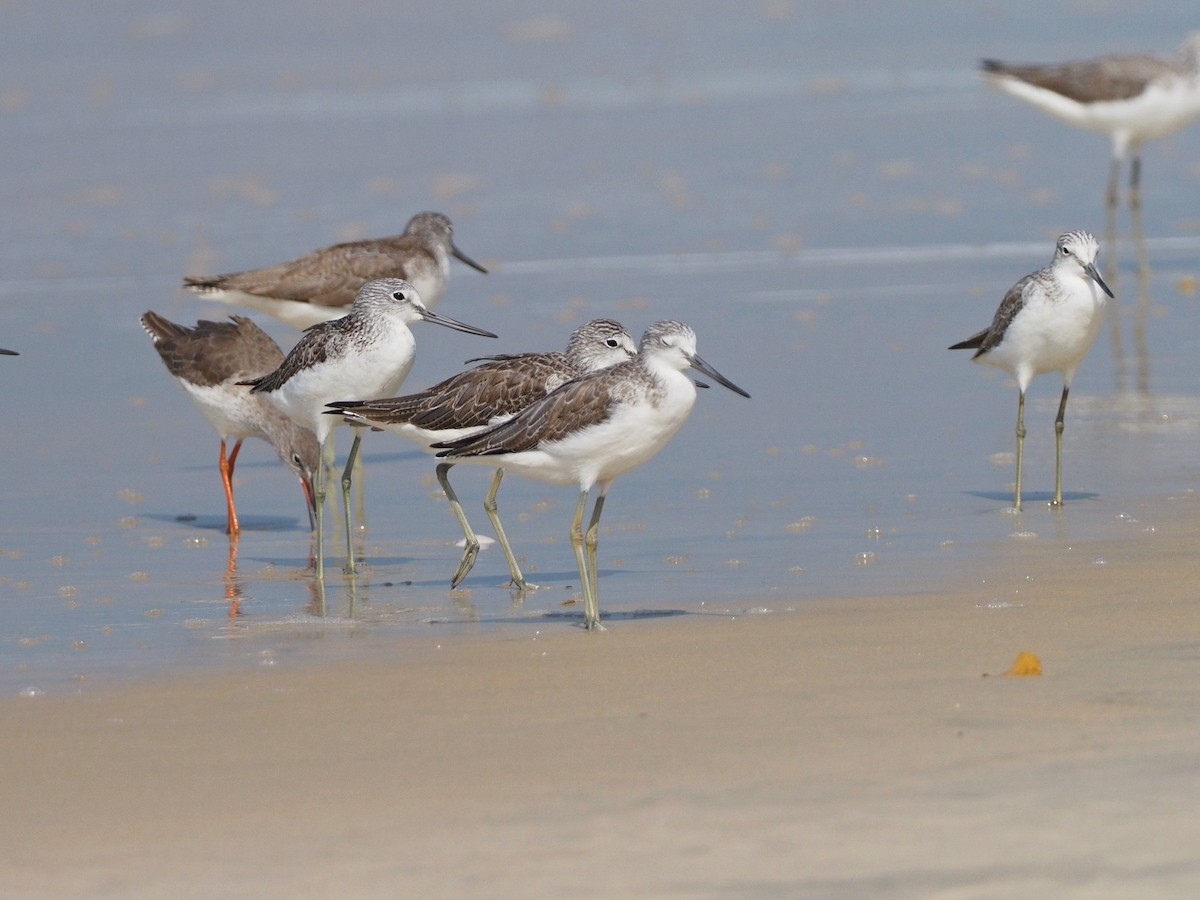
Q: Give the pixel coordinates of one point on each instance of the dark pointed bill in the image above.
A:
(1095, 276)
(463, 258)
(701, 366)
(438, 319)
(8, 352)
(343, 409)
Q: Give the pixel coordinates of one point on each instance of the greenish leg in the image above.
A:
(346, 475)
(471, 551)
(592, 540)
(585, 581)
(1059, 422)
(493, 514)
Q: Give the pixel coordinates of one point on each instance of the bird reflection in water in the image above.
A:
(234, 589)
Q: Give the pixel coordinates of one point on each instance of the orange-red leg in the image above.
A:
(226, 466)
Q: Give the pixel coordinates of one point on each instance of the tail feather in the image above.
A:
(161, 328)
(974, 342)
(201, 283)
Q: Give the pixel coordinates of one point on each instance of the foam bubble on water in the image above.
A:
(484, 541)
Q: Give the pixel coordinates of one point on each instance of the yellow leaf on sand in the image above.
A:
(1026, 664)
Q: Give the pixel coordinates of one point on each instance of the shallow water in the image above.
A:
(830, 203)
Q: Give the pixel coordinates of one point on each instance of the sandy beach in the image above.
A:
(840, 749)
(812, 597)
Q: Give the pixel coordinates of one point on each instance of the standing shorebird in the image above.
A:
(596, 428)
(210, 361)
(323, 284)
(366, 353)
(1047, 322)
(484, 396)
(1131, 98)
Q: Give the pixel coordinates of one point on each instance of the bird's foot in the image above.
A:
(470, 554)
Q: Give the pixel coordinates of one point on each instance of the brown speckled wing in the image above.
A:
(1012, 304)
(500, 388)
(316, 345)
(573, 407)
(327, 277)
(213, 352)
(1089, 81)
(503, 386)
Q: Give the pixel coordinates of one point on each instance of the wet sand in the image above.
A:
(830, 200)
(843, 748)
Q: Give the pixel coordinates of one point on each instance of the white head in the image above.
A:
(599, 344)
(397, 297)
(1078, 250)
(674, 344)
(436, 234)
(390, 296)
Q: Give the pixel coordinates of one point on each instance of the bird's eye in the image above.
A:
(612, 342)
(1066, 251)
(399, 295)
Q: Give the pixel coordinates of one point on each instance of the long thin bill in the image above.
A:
(463, 258)
(438, 319)
(1095, 276)
(701, 366)
(310, 503)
